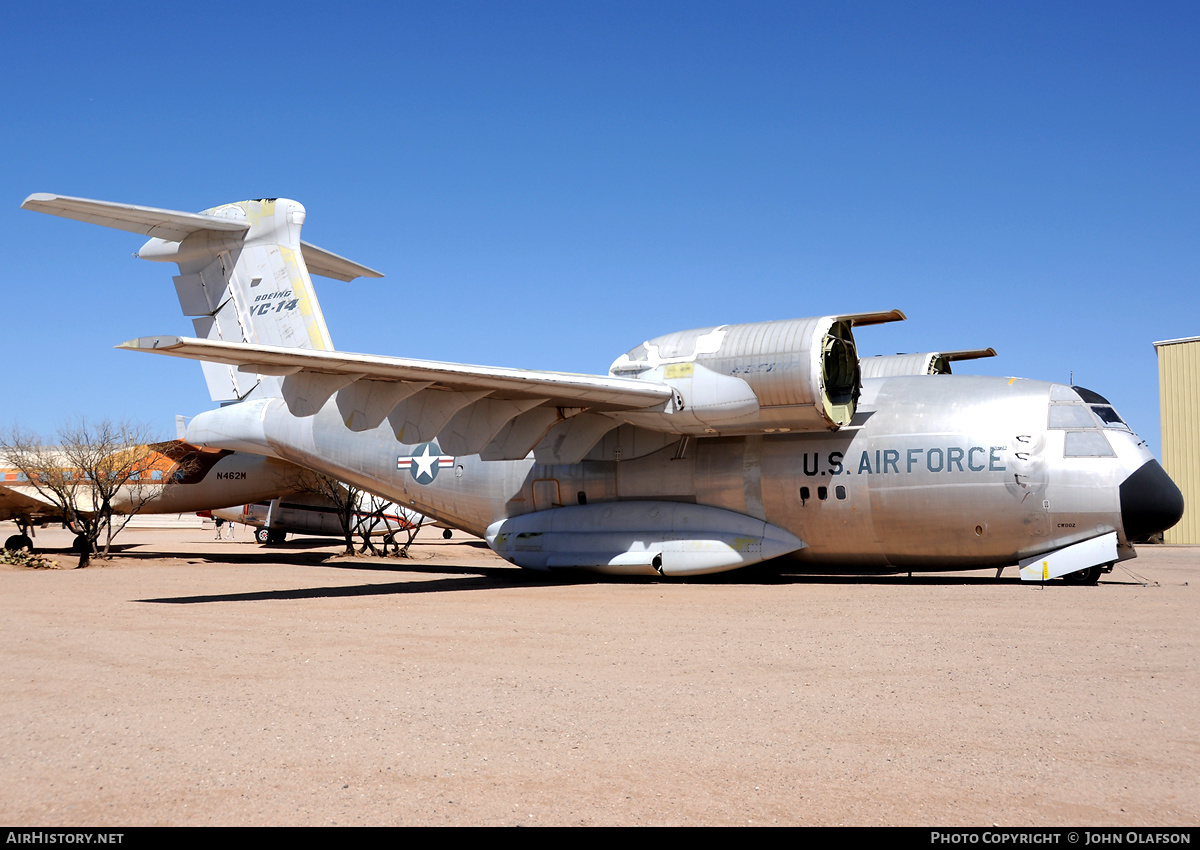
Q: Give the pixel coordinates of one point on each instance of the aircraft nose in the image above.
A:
(1150, 501)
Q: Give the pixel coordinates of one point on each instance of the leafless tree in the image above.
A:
(98, 476)
(380, 518)
(345, 501)
(380, 527)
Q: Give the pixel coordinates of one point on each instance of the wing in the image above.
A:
(497, 412)
(560, 388)
(18, 500)
(770, 377)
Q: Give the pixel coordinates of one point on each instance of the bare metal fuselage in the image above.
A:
(935, 472)
(702, 450)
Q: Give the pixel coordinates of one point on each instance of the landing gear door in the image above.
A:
(272, 513)
(1071, 559)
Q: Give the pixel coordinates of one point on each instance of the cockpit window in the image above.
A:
(1070, 416)
(1087, 444)
(1066, 411)
(638, 353)
(1091, 397)
(1109, 417)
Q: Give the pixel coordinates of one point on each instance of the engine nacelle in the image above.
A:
(792, 375)
(922, 363)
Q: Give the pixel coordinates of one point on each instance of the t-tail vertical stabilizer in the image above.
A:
(243, 272)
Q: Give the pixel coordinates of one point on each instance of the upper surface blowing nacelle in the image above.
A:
(792, 375)
(922, 363)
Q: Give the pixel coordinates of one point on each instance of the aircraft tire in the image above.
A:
(262, 535)
(447, 533)
(18, 541)
(80, 544)
(276, 536)
(1091, 575)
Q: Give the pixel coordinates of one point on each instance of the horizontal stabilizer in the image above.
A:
(161, 224)
(175, 226)
(328, 264)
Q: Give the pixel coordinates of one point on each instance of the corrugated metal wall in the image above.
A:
(1179, 400)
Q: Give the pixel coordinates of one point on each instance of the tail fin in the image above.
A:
(243, 274)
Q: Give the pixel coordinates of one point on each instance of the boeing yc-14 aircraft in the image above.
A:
(700, 451)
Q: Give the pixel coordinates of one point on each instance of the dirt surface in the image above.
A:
(192, 681)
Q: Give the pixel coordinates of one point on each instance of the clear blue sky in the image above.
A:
(546, 185)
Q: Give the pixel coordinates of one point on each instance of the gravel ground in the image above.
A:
(191, 681)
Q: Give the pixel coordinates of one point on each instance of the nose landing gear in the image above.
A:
(272, 536)
(1091, 575)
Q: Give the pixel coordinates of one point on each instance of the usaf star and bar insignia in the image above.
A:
(424, 462)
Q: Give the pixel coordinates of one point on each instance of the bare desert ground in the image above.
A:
(198, 682)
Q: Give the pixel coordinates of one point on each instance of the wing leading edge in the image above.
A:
(558, 388)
